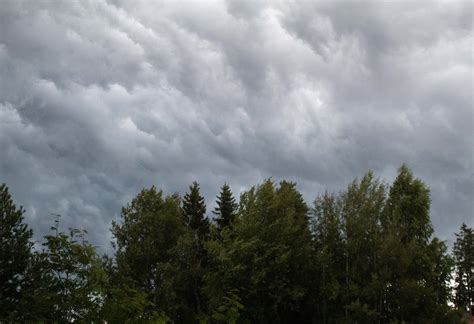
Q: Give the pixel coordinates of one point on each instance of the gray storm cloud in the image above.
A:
(101, 98)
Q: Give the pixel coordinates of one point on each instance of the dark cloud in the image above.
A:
(99, 99)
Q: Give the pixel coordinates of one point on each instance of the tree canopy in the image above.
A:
(15, 253)
(367, 254)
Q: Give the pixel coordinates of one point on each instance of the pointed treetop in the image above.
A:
(194, 210)
(226, 208)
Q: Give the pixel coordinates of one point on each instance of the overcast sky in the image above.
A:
(101, 98)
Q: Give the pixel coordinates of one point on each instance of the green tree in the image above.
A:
(229, 310)
(362, 206)
(407, 208)
(123, 303)
(226, 208)
(415, 266)
(194, 212)
(15, 255)
(264, 260)
(376, 258)
(346, 231)
(150, 242)
(65, 280)
(463, 253)
(329, 247)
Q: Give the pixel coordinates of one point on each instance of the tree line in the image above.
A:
(367, 254)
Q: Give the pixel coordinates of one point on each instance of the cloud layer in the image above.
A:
(101, 98)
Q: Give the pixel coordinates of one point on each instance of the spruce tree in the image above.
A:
(226, 208)
(15, 254)
(463, 252)
(194, 210)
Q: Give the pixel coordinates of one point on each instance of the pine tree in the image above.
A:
(15, 254)
(463, 252)
(194, 210)
(226, 208)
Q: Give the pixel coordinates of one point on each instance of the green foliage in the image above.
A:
(416, 268)
(407, 208)
(265, 256)
(364, 255)
(463, 253)
(71, 277)
(226, 208)
(346, 231)
(229, 309)
(376, 259)
(194, 212)
(149, 247)
(128, 305)
(362, 207)
(15, 254)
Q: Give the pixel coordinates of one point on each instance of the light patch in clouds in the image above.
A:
(101, 98)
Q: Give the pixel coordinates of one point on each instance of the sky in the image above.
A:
(99, 99)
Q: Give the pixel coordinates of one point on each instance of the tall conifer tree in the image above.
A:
(15, 253)
(194, 212)
(226, 208)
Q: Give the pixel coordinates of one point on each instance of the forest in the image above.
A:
(367, 254)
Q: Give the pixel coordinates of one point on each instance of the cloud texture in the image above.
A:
(101, 98)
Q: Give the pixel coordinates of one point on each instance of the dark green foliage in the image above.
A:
(148, 232)
(264, 261)
(347, 240)
(229, 310)
(364, 255)
(416, 269)
(64, 281)
(124, 304)
(376, 259)
(463, 252)
(15, 254)
(226, 208)
(361, 209)
(150, 241)
(194, 212)
(407, 208)
(330, 257)
(72, 277)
